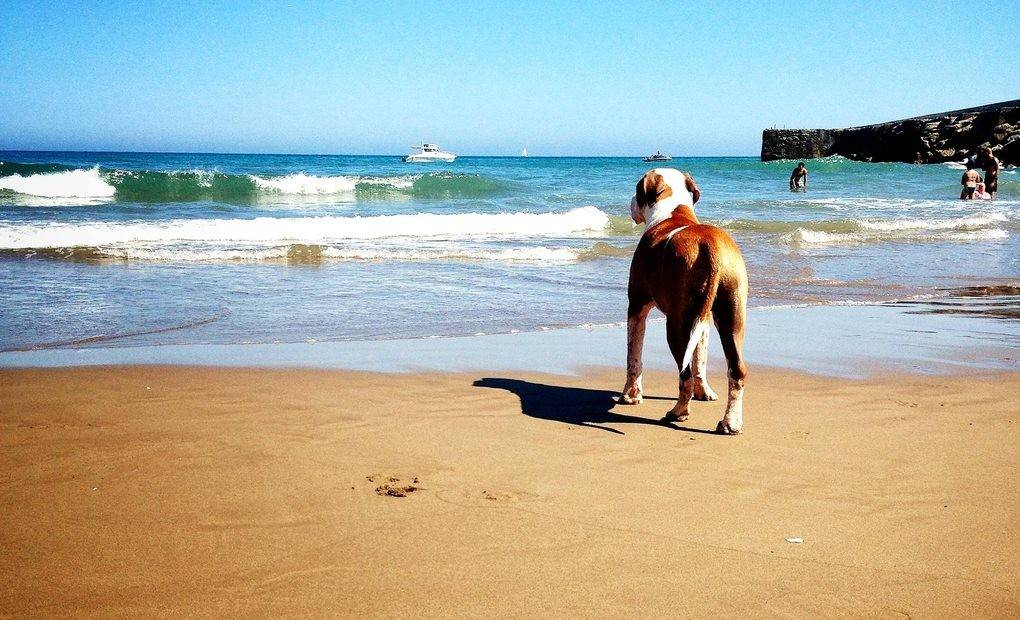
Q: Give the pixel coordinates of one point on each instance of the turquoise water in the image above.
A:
(122, 249)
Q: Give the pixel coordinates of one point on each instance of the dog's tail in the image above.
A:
(702, 316)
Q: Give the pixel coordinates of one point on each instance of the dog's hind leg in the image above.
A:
(699, 367)
(637, 318)
(729, 311)
(683, 335)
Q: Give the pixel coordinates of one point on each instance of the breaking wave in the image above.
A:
(967, 222)
(804, 237)
(35, 183)
(975, 227)
(313, 254)
(507, 238)
(78, 183)
(576, 222)
(299, 254)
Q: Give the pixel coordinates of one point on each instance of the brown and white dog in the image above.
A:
(691, 272)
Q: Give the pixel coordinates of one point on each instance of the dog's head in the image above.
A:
(661, 191)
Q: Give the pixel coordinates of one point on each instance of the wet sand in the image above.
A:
(845, 341)
(151, 490)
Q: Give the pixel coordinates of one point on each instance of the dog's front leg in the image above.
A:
(637, 317)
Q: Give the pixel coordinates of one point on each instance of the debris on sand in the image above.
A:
(394, 487)
(504, 496)
(395, 490)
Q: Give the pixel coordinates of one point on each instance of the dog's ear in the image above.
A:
(651, 189)
(636, 213)
(692, 187)
(641, 192)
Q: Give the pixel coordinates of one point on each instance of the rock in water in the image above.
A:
(935, 138)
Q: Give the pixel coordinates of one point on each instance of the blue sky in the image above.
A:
(487, 78)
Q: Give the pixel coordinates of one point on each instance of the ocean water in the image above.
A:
(136, 249)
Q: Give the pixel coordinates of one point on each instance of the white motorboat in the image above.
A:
(659, 156)
(429, 152)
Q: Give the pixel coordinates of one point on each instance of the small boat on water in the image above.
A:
(429, 152)
(524, 152)
(659, 156)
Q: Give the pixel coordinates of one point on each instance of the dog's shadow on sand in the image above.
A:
(576, 406)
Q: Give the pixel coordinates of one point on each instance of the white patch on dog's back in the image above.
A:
(673, 232)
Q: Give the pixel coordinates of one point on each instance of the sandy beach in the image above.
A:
(151, 490)
(323, 310)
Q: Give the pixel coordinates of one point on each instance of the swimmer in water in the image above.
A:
(991, 165)
(798, 179)
(969, 181)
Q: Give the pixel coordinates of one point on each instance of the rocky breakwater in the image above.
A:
(935, 138)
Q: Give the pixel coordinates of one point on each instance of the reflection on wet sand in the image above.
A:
(1000, 301)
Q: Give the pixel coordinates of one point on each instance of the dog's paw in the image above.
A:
(676, 414)
(631, 396)
(724, 428)
(703, 392)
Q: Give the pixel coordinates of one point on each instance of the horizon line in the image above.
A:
(296, 154)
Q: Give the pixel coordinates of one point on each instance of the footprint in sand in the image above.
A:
(501, 496)
(507, 497)
(393, 486)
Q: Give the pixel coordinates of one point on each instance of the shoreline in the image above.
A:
(245, 491)
(839, 341)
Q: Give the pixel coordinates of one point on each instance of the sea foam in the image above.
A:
(304, 184)
(968, 222)
(583, 221)
(54, 187)
(80, 183)
(973, 227)
(301, 184)
(808, 237)
(311, 254)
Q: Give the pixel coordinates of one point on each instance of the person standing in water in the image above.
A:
(991, 166)
(798, 180)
